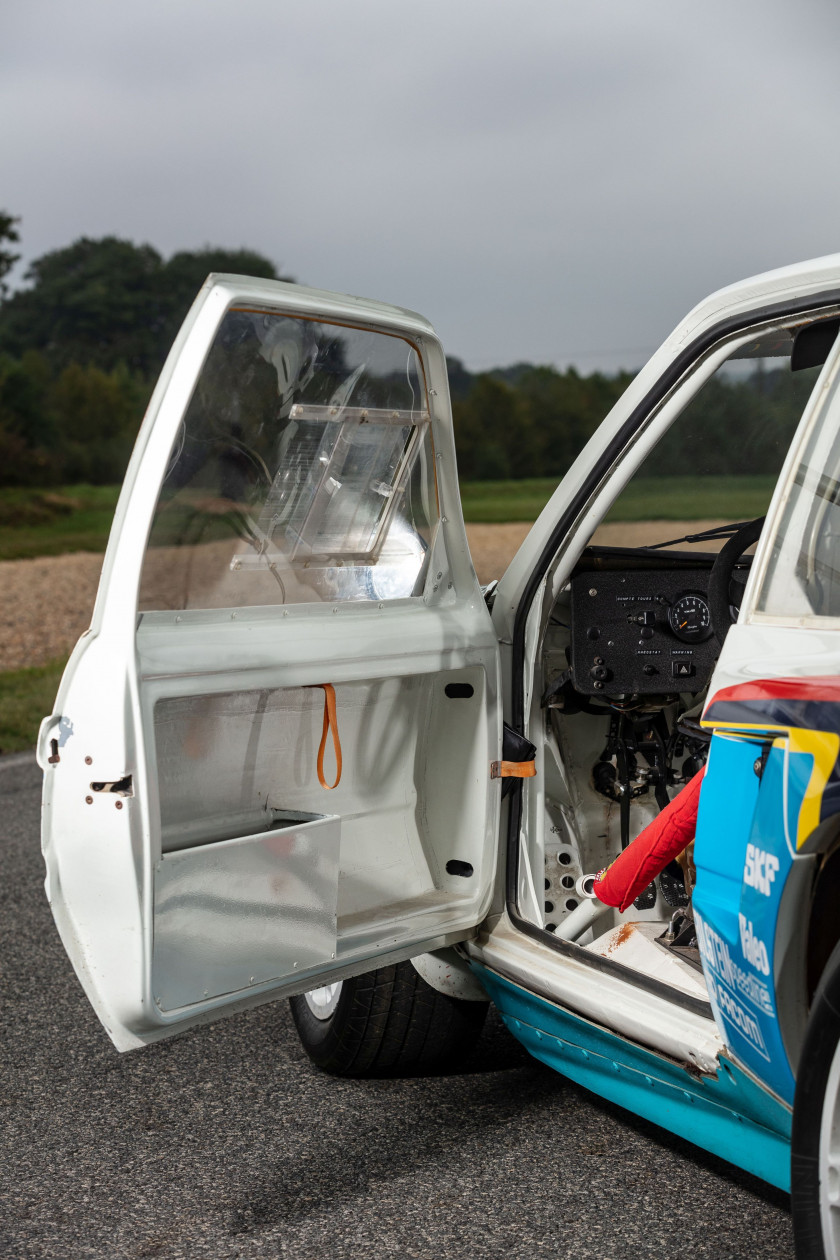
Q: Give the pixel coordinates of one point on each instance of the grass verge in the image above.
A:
(55, 521)
(729, 498)
(78, 518)
(26, 696)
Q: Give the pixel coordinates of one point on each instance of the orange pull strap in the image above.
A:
(330, 724)
(513, 769)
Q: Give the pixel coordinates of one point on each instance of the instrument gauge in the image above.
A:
(690, 618)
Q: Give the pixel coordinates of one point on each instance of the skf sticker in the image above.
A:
(760, 869)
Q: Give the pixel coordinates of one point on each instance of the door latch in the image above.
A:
(119, 787)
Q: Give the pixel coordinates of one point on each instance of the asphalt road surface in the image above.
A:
(227, 1143)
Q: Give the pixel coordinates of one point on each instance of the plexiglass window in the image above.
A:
(303, 471)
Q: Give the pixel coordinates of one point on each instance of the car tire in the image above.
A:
(815, 1175)
(388, 1022)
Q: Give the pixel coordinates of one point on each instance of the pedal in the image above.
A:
(673, 890)
(646, 899)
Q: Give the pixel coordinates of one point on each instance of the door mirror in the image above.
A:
(813, 343)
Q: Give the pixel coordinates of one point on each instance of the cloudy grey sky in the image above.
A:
(550, 181)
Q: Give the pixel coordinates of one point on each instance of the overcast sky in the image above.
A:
(550, 181)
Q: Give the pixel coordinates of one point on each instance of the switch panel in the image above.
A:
(642, 632)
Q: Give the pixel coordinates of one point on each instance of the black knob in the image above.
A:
(593, 633)
(600, 673)
(646, 632)
(650, 670)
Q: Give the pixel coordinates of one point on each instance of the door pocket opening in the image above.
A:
(238, 913)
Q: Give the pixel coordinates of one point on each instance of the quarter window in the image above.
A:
(802, 578)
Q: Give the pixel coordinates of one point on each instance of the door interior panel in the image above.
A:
(243, 818)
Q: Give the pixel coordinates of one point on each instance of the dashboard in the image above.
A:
(642, 630)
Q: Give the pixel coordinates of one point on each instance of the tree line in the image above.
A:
(82, 343)
(81, 346)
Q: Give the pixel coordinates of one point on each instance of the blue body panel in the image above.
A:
(753, 826)
(741, 838)
(728, 1114)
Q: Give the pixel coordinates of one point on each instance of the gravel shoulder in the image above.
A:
(47, 602)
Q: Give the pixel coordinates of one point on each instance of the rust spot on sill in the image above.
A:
(621, 937)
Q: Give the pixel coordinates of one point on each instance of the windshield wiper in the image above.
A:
(720, 531)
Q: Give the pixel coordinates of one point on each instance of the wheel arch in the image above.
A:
(823, 921)
(808, 930)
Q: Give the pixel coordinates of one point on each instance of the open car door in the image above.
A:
(269, 762)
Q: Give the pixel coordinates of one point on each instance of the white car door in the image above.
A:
(269, 761)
